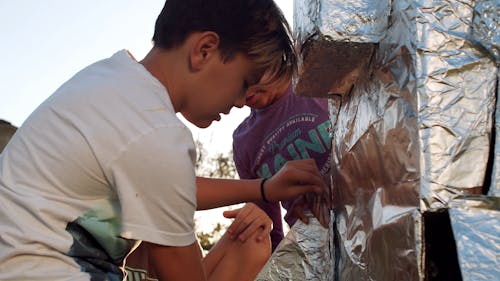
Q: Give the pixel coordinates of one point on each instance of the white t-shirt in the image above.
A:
(103, 159)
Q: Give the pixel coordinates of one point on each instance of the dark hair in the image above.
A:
(255, 28)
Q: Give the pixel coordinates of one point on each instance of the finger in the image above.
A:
(262, 226)
(234, 214)
(230, 214)
(299, 211)
(247, 232)
(308, 165)
(303, 175)
(265, 231)
(310, 178)
(240, 222)
(326, 218)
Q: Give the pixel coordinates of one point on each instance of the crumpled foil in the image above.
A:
(413, 118)
(377, 171)
(304, 254)
(486, 28)
(332, 37)
(476, 227)
(486, 32)
(494, 188)
(347, 20)
(456, 86)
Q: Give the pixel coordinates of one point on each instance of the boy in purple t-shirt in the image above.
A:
(281, 127)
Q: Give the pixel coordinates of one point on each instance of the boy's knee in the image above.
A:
(258, 251)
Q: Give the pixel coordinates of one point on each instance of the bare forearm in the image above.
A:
(176, 263)
(295, 178)
(213, 193)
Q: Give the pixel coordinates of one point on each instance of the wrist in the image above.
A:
(263, 190)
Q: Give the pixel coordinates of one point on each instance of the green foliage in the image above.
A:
(213, 166)
(208, 239)
(220, 165)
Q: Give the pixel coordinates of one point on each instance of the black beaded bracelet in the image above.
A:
(262, 191)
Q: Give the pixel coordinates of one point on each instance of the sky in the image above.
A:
(44, 43)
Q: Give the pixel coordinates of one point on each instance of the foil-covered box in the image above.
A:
(413, 88)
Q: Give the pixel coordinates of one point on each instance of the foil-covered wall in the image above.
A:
(412, 87)
(376, 177)
(336, 46)
(456, 95)
(476, 227)
(486, 34)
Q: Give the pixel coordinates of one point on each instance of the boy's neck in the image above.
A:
(161, 64)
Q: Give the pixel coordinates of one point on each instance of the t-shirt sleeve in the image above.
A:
(155, 183)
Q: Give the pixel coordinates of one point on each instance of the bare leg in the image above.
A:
(235, 260)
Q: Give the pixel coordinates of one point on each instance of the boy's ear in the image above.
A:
(205, 47)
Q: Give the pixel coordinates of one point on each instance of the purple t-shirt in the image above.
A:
(291, 128)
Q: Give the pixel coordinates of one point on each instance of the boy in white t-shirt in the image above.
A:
(104, 162)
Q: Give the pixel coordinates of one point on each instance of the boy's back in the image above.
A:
(73, 148)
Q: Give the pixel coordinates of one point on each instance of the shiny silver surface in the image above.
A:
(456, 95)
(347, 20)
(412, 97)
(476, 227)
(486, 28)
(304, 254)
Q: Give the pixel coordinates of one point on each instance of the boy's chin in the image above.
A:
(202, 124)
(199, 122)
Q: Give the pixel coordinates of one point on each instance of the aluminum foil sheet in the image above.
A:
(336, 40)
(494, 189)
(348, 20)
(456, 87)
(476, 227)
(486, 28)
(412, 123)
(376, 179)
(376, 173)
(304, 254)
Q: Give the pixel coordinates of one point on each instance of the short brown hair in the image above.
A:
(256, 28)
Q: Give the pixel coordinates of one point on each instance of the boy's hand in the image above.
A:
(247, 220)
(297, 177)
(317, 205)
(298, 210)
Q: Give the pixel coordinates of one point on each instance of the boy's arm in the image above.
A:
(176, 263)
(295, 178)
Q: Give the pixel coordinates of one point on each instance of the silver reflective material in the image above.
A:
(476, 226)
(347, 20)
(494, 189)
(412, 100)
(486, 28)
(332, 37)
(304, 254)
(456, 86)
(377, 174)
